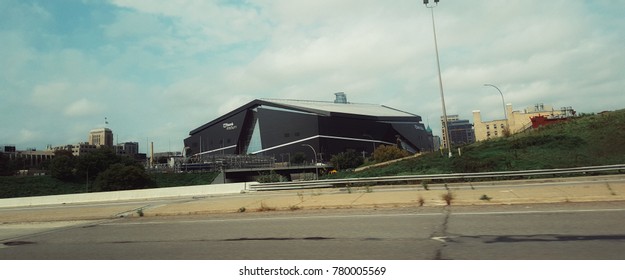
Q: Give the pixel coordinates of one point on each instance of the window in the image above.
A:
(487, 127)
(287, 135)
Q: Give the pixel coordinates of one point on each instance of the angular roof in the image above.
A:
(331, 108)
(328, 109)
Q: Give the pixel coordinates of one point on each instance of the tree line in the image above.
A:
(102, 170)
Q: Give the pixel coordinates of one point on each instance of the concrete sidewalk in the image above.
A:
(586, 189)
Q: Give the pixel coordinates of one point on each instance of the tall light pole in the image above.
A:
(447, 141)
(315, 155)
(505, 113)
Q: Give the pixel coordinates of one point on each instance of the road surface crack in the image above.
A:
(441, 235)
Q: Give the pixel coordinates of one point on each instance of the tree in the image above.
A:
(123, 177)
(385, 153)
(62, 167)
(298, 158)
(92, 164)
(8, 166)
(346, 160)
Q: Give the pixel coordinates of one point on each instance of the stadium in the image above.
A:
(279, 128)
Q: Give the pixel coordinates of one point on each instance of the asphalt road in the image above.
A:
(545, 231)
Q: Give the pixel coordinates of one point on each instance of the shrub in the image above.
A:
(448, 197)
(294, 207)
(122, 177)
(424, 184)
(298, 158)
(265, 208)
(271, 177)
(385, 153)
(347, 160)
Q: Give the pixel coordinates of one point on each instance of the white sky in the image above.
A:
(158, 69)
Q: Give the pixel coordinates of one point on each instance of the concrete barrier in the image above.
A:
(201, 190)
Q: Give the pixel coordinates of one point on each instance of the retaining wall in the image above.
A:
(190, 191)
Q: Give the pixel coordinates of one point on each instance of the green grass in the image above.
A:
(17, 186)
(584, 141)
(14, 186)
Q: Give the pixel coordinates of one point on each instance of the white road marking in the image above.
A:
(440, 238)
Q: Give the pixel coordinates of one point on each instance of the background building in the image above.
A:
(436, 140)
(28, 159)
(101, 137)
(516, 121)
(460, 131)
(8, 149)
(76, 149)
(281, 127)
(130, 149)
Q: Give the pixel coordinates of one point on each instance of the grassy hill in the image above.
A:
(583, 141)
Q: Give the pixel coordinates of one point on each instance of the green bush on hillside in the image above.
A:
(123, 177)
(388, 152)
(346, 160)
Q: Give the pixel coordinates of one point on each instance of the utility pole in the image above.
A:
(446, 140)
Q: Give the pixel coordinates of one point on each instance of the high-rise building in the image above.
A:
(101, 137)
(130, 149)
(460, 131)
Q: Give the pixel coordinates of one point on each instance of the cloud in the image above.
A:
(26, 136)
(211, 24)
(83, 107)
(159, 69)
(129, 24)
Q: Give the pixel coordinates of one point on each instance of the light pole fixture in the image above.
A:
(446, 140)
(315, 155)
(505, 113)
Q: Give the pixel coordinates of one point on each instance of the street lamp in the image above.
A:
(447, 141)
(315, 155)
(505, 114)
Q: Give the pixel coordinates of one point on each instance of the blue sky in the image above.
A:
(158, 69)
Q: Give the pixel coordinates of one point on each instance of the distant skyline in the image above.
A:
(159, 69)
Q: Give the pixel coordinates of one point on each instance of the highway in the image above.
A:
(592, 230)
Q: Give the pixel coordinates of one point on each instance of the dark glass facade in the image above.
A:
(278, 130)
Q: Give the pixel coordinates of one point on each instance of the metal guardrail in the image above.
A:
(432, 177)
